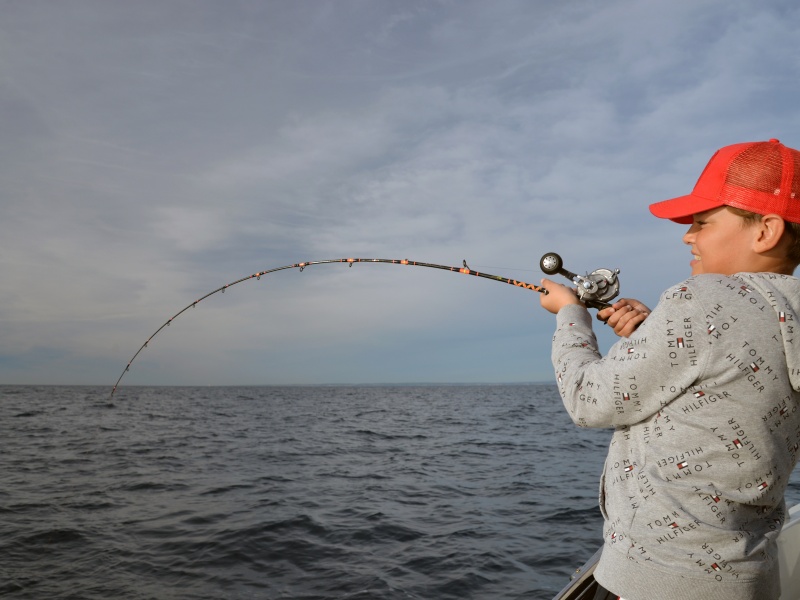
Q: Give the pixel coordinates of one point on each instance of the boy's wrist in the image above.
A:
(574, 312)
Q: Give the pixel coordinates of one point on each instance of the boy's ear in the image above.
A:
(769, 231)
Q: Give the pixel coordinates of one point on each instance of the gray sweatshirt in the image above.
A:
(705, 402)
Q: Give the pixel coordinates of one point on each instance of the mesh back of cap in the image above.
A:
(755, 181)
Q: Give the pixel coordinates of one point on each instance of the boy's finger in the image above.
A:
(605, 314)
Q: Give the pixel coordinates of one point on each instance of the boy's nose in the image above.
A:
(688, 237)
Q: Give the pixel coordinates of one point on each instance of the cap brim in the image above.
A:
(682, 208)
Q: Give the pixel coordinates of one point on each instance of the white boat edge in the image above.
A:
(583, 586)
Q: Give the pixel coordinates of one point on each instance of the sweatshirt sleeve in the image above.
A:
(640, 374)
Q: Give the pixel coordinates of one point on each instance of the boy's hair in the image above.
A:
(792, 231)
(759, 177)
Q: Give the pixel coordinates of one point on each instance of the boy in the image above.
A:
(704, 395)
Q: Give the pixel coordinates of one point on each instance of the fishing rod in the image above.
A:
(594, 289)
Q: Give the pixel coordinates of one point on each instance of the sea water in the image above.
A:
(365, 492)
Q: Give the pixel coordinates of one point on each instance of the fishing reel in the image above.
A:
(594, 289)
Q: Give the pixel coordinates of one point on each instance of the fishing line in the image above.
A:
(349, 261)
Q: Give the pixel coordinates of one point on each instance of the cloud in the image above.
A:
(155, 151)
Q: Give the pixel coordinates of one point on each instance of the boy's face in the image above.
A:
(721, 243)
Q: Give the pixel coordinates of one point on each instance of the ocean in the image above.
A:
(323, 492)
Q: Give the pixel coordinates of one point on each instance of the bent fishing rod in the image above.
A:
(594, 289)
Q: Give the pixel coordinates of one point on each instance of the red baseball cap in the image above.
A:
(760, 177)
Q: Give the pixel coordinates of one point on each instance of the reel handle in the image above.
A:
(552, 263)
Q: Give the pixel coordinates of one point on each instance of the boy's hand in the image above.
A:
(558, 296)
(624, 316)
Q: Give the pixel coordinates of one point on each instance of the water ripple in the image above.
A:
(314, 493)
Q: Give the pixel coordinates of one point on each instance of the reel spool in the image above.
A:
(594, 289)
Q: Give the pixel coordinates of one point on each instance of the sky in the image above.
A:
(154, 150)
